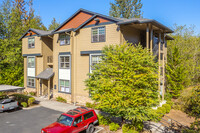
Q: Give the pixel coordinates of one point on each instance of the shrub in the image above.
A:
(180, 103)
(24, 104)
(138, 125)
(192, 108)
(21, 97)
(154, 116)
(128, 128)
(170, 103)
(30, 101)
(167, 107)
(113, 126)
(103, 120)
(89, 105)
(161, 111)
(60, 99)
(2, 93)
(32, 93)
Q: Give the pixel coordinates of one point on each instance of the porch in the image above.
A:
(45, 83)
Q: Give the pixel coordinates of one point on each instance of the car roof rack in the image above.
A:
(84, 108)
(77, 110)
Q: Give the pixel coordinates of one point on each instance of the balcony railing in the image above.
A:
(49, 59)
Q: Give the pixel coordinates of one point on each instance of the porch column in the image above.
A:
(147, 37)
(159, 44)
(49, 88)
(38, 87)
(151, 39)
(42, 87)
(163, 65)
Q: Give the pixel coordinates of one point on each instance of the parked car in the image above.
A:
(7, 103)
(74, 121)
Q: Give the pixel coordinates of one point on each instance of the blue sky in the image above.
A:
(168, 12)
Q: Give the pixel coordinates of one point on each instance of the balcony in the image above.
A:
(49, 60)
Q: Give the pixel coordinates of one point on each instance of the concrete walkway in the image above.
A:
(52, 104)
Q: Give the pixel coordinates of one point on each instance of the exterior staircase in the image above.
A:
(166, 125)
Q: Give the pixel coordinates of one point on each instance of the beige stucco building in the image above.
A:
(56, 63)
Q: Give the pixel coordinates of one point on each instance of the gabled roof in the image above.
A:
(118, 21)
(87, 11)
(38, 32)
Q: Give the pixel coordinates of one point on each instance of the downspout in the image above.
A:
(73, 67)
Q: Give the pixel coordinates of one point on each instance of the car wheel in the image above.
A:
(90, 129)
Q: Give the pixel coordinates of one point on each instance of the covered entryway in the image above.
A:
(45, 83)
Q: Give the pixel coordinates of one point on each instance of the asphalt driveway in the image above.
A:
(27, 121)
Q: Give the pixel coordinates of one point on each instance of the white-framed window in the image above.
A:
(99, 34)
(64, 86)
(94, 59)
(31, 62)
(64, 39)
(31, 42)
(30, 82)
(64, 62)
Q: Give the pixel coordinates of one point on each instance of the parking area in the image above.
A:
(27, 121)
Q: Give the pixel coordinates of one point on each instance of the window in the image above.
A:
(88, 115)
(31, 43)
(64, 86)
(64, 39)
(94, 59)
(31, 62)
(64, 62)
(66, 120)
(98, 34)
(31, 82)
(77, 120)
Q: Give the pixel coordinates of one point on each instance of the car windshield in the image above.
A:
(66, 120)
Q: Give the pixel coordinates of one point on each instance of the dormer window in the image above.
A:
(98, 34)
(31, 42)
(64, 39)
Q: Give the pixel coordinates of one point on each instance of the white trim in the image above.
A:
(28, 72)
(64, 69)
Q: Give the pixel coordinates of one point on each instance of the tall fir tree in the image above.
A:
(183, 60)
(17, 19)
(126, 9)
(54, 24)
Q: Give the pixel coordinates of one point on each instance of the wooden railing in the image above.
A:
(49, 59)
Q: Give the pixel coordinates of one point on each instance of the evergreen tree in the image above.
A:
(125, 82)
(16, 19)
(183, 60)
(176, 73)
(54, 24)
(126, 9)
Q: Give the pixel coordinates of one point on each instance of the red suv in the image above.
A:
(74, 121)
